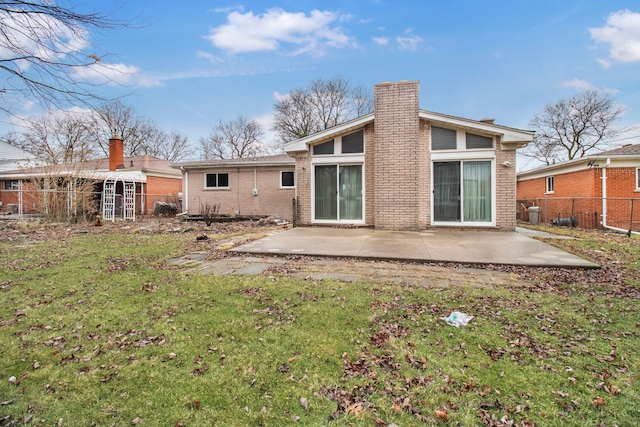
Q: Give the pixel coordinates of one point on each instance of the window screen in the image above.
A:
(287, 179)
(443, 139)
(353, 143)
(324, 148)
(478, 141)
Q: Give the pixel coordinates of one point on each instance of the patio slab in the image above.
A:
(472, 247)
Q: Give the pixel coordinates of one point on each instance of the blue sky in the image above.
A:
(192, 63)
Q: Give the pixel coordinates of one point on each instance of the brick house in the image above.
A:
(600, 186)
(246, 186)
(403, 168)
(153, 179)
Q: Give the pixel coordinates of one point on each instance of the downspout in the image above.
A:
(185, 196)
(604, 203)
(603, 178)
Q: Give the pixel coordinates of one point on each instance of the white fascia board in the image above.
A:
(508, 135)
(302, 144)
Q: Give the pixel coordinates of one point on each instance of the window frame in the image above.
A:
(549, 184)
(282, 172)
(637, 179)
(331, 142)
(490, 139)
(11, 185)
(217, 187)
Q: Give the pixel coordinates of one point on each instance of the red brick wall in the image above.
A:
(621, 182)
(584, 183)
(577, 193)
(271, 199)
(159, 189)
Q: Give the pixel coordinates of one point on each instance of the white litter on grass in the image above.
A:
(457, 319)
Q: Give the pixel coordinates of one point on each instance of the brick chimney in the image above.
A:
(397, 129)
(116, 153)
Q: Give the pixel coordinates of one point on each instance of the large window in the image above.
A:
(287, 179)
(338, 193)
(462, 191)
(216, 180)
(549, 185)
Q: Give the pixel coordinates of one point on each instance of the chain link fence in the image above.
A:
(622, 214)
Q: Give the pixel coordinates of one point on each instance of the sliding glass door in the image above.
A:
(462, 191)
(338, 193)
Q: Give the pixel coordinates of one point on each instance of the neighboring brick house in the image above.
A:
(262, 186)
(154, 180)
(599, 187)
(402, 168)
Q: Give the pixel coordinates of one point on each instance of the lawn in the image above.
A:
(98, 329)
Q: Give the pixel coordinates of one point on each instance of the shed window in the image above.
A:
(443, 139)
(12, 185)
(549, 184)
(217, 180)
(287, 179)
(478, 141)
(353, 143)
(324, 148)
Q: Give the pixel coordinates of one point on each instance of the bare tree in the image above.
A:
(239, 138)
(117, 118)
(60, 137)
(323, 104)
(42, 46)
(170, 146)
(140, 134)
(573, 127)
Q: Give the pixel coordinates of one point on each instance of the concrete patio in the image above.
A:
(469, 247)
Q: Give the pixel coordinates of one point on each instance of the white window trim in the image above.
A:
(228, 187)
(462, 222)
(546, 184)
(288, 187)
(637, 179)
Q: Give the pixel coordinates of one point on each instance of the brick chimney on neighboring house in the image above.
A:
(116, 153)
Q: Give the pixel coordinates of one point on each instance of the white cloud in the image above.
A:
(585, 85)
(206, 55)
(115, 74)
(605, 63)
(382, 41)
(277, 28)
(228, 9)
(578, 84)
(622, 33)
(278, 96)
(409, 43)
(266, 122)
